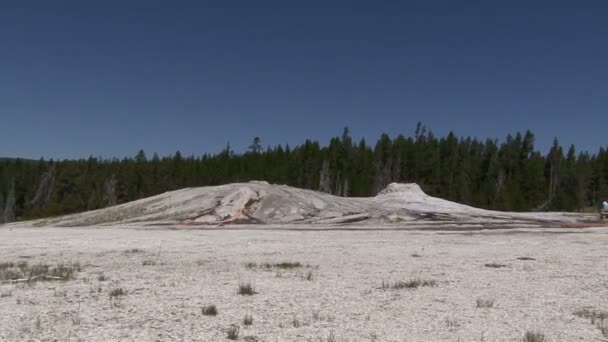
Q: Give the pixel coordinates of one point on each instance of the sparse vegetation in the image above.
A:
(532, 336)
(495, 265)
(295, 322)
(597, 318)
(525, 258)
(233, 332)
(248, 320)
(23, 272)
(451, 323)
(134, 251)
(410, 284)
(485, 303)
(308, 276)
(102, 277)
(416, 255)
(286, 265)
(246, 289)
(209, 310)
(148, 263)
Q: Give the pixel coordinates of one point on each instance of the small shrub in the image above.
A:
(308, 276)
(331, 337)
(416, 255)
(246, 289)
(251, 265)
(209, 310)
(485, 303)
(531, 336)
(233, 332)
(525, 258)
(495, 265)
(248, 320)
(148, 263)
(102, 277)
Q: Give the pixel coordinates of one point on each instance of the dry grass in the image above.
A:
(248, 320)
(495, 265)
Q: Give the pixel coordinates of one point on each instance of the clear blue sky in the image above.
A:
(80, 78)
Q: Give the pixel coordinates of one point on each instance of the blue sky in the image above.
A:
(80, 78)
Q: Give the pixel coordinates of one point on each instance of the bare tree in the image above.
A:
(345, 189)
(109, 193)
(324, 179)
(9, 207)
(1, 207)
(45, 188)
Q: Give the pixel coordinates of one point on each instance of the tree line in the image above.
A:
(506, 175)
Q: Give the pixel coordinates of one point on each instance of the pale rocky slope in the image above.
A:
(259, 203)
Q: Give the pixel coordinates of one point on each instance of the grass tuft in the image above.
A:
(248, 320)
(495, 265)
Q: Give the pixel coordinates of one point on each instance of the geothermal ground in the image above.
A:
(151, 285)
(259, 262)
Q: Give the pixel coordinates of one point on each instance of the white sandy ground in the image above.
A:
(202, 267)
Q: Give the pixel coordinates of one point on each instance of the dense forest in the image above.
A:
(507, 175)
